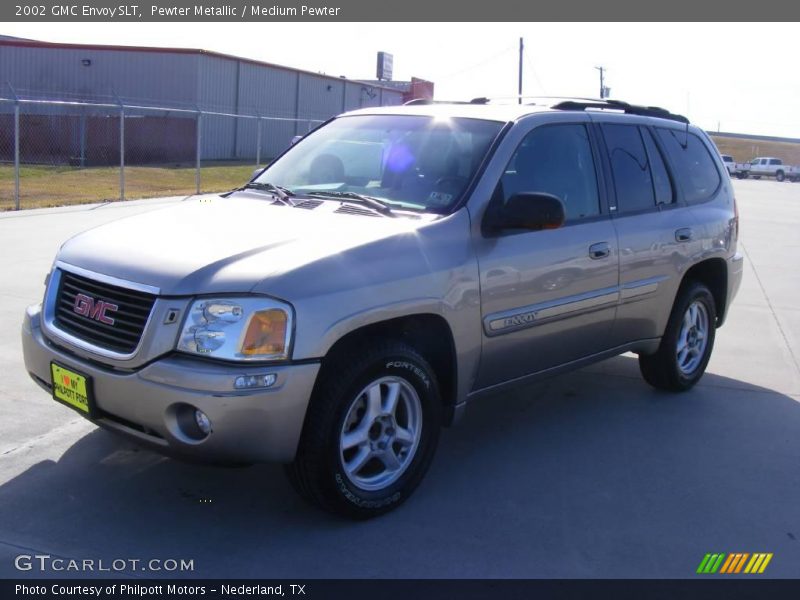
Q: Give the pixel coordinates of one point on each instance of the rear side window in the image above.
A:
(629, 164)
(662, 186)
(693, 165)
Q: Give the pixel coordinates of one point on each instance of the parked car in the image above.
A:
(768, 166)
(387, 270)
(729, 163)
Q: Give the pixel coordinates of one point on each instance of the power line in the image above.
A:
(533, 70)
(479, 64)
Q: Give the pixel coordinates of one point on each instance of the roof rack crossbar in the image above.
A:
(426, 101)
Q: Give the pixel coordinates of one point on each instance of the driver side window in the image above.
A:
(555, 159)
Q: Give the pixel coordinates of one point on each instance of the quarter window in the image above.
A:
(692, 163)
(555, 159)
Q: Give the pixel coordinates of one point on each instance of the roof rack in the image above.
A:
(425, 101)
(618, 105)
(566, 103)
(546, 100)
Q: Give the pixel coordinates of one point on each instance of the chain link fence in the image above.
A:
(55, 153)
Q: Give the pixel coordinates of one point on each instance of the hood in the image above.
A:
(218, 245)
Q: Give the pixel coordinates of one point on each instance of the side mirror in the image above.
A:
(296, 139)
(530, 210)
(256, 173)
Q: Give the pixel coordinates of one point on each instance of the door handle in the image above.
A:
(599, 250)
(683, 235)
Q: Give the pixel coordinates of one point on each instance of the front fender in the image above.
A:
(432, 271)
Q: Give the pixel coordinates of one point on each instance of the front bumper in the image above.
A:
(252, 426)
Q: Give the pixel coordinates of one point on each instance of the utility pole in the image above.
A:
(521, 48)
(602, 83)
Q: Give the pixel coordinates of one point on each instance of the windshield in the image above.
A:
(416, 162)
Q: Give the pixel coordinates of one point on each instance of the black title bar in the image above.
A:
(706, 587)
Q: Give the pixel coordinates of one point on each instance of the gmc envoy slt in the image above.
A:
(384, 271)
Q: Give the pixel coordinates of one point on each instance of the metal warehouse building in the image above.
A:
(182, 79)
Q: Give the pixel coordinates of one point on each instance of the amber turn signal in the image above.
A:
(266, 333)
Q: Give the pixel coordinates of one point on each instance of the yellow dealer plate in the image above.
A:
(71, 388)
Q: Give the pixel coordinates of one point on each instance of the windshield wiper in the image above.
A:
(281, 193)
(379, 206)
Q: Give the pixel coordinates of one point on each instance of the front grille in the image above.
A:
(129, 318)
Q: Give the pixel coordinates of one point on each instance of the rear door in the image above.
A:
(548, 297)
(653, 227)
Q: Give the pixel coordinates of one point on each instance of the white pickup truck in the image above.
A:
(766, 166)
(729, 163)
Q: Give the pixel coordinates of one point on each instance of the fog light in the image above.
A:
(245, 382)
(202, 421)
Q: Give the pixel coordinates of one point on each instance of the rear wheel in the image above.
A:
(686, 346)
(371, 431)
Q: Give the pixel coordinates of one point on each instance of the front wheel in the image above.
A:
(780, 176)
(688, 340)
(371, 431)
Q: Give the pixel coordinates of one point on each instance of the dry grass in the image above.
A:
(42, 186)
(742, 150)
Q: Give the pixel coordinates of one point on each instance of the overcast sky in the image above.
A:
(740, 77)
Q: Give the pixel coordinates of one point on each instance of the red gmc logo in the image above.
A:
(94, 309)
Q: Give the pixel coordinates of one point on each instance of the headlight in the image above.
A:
(253, 328)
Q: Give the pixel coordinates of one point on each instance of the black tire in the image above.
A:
(741, 175)
(780, 176)
(662, 369)
(318, 473)
(756, 176)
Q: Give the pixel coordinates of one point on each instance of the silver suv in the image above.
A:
(389, 268)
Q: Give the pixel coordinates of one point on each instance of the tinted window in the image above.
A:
(693, 166)
(629, 165)
(556, 159)
(774, 161)
(661, 183)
